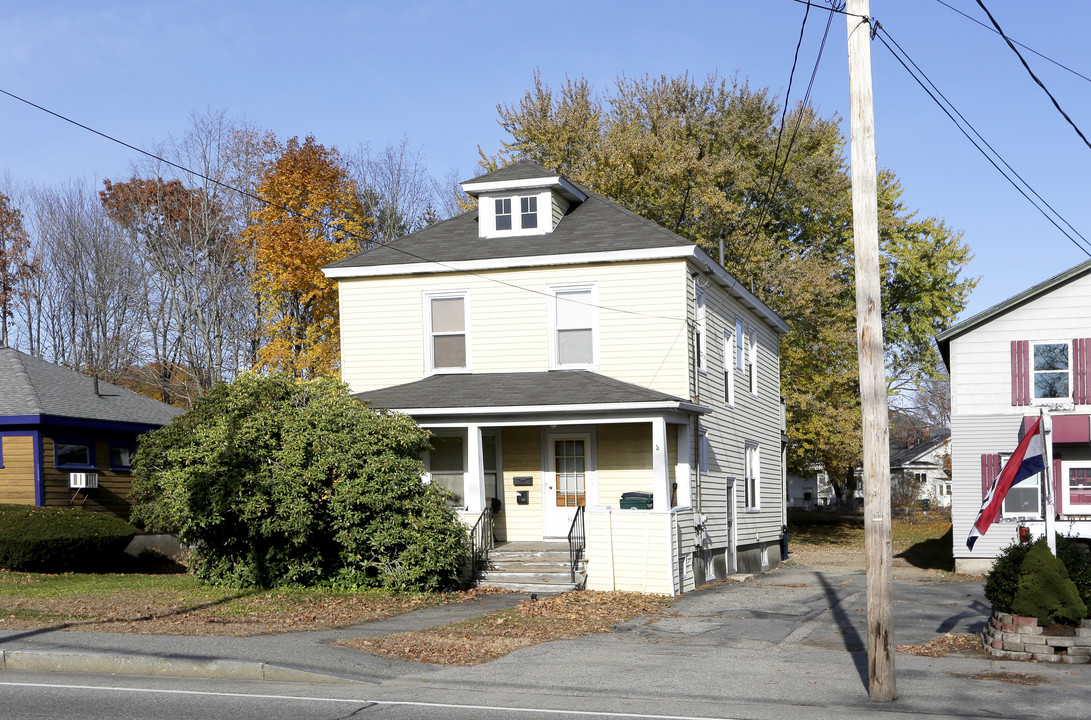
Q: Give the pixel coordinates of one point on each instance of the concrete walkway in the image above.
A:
(792, 607)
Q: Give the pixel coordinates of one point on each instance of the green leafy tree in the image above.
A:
(707, 160)
(17, 267)
(275, 481)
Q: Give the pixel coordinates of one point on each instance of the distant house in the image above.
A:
(66, 439)
(923, 463)
(566, 354)
(1008, 363)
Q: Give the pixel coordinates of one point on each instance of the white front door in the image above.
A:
(569, 468)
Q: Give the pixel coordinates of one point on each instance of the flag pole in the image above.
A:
(1047, 482)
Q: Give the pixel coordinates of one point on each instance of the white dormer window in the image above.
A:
(503, 213)
(528, 208)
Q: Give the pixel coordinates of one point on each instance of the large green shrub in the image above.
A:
(1045, 591)
(48, 539)
(279, 482)
(1002, 582)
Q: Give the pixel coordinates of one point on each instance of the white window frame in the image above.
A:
(487, 214)
(752, 476)
(429, 348)
(729, 367)
(702, 452)
(738, 345)
(752, 358)
(700, 325)
(1067, 506)
(1034, 373)
(554, 346)
(1034, 481)
(449, 433)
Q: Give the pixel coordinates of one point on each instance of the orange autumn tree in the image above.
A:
(311, 217)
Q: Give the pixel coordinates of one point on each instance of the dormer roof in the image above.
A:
(520, 176)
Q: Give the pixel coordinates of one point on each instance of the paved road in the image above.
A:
(784, 645)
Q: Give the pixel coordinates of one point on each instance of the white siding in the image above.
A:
(640, 319)
(981, 359)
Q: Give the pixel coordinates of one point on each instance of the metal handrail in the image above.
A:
(577, 541)
(481, 542)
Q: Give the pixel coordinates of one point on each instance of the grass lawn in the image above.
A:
(923, 541)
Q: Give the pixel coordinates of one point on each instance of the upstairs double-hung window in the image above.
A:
(1052, 371)
(574, 331)
(525, 207)
(447, 329)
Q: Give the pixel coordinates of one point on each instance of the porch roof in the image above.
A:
(556, 391)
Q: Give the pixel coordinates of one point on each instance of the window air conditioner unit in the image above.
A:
(82, 480)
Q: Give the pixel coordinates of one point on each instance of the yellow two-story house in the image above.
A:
(587, 376)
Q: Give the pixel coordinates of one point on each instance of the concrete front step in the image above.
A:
(539, 588)
(552, 578)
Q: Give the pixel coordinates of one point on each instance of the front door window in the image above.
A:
(570, 462)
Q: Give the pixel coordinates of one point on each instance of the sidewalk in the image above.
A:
(790, 607)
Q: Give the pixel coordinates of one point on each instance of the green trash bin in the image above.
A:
(636, 500)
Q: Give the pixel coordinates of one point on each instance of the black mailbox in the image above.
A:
(522, 497)
(522, 480)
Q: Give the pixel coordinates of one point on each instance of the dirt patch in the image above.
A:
(1012, 678)
(559, 617)
(958, 645)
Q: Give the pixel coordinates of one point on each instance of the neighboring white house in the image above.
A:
(564, 351)
(923, 463)
(1006, 364)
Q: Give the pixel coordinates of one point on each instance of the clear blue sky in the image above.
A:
(371, 72)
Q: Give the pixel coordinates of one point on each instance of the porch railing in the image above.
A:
(577, 541)
(481, 542)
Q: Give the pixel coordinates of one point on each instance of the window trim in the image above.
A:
(1034, 399)
(1033, 481)
(702, 452)
(89, 444)
(1067, 506)
(738, 345)
(752, 359)
(122, 446)
(752, 476)
(729, 367)
(515, 202)
(553, 329)
(700, 329)
(429, 347)
(463, 436)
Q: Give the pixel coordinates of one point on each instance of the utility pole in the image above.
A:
(869, 343)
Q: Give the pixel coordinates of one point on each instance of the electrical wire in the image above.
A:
(1035, 77)
(1025, 47)
(949, 109)
(322, 222)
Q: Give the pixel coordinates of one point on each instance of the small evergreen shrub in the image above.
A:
(45, 539)
(1045, 591)
(1002, 581)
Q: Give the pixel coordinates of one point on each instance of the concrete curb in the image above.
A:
(106, 663)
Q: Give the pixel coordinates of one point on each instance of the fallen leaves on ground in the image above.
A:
(557, 617)
(944, 645)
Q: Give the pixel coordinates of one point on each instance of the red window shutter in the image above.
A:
(990, 468)
(1020, 372)
(1081, 371)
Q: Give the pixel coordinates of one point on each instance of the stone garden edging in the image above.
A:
(1015, 637)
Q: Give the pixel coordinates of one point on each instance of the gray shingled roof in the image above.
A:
(595, 225)
(521, 170)
(32, 386)
(905, 456)
(500, 390)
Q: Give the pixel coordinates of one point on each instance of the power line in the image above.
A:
(1025, 47)
(320, 221)
(948, 108)
(1035, 77)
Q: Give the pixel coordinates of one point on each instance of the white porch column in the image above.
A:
(661, 479)
(682, 469)
(475, 471)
